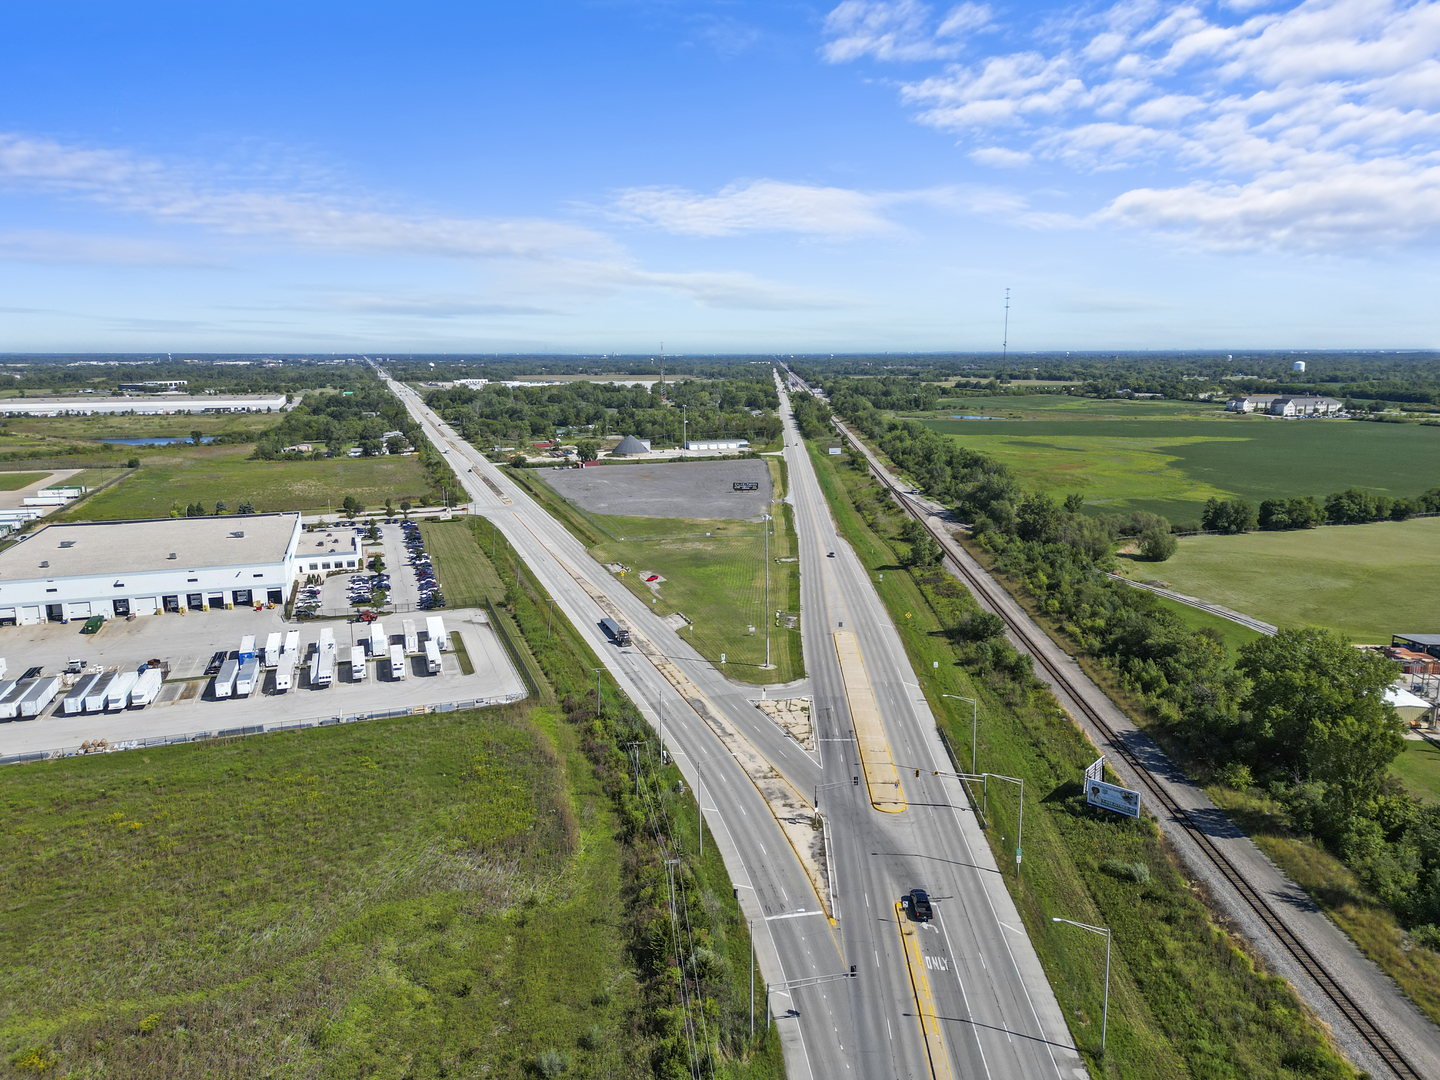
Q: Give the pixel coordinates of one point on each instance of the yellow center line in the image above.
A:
(924, 1000)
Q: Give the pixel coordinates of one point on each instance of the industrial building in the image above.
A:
(120, 568)
(149, 405)
(717, 444)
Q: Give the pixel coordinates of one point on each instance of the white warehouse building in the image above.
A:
(148, 405)
(118, 568)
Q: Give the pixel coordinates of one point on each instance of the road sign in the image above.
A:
(1109, 796)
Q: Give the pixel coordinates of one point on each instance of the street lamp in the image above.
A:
(551, 601)
(768, 616)
(974, 723)
(1105, 1012)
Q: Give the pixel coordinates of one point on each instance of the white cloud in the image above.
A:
(758, 206)
(898, 30)
(998, 157)
(1315, 127)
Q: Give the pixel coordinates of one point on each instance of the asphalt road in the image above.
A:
(998, 1014)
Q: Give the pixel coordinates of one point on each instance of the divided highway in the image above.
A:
(965, 994)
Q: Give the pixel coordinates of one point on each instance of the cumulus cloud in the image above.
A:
(898, 30)
(757, 206)
(1310, 127)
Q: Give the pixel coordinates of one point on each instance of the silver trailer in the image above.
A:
(322, 667)
(432, 657)
(247, 677)
(40, 694)
(285, 673)
(357, 663)
(435, 630)
(75, 700)
(147, 687)
(272, 650)
(225, 681)
(3, 667)
(397, 662)
(118, 696)
(412, 639)
(95, 696)
(10, 706)
(292, 645)
(9, 688)
(379, 640)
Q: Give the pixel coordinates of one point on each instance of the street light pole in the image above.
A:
(767, 590)
(551, 601)
(1105, 1012)
(974, 724)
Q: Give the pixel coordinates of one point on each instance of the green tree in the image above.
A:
(396, 444)
(405, 508)
(245, 507)
(589, 450)
(1074, 502)
(1228, 516)
(1039, 518)
(197, 436)
(133, 463)
(1317, 714)
(1157, 546)
(220, 508)
(351, 506)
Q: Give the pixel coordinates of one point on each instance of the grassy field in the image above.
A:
(1185, 999)
(1419, 767)
(1231, 633)
(381, 899)
(210, 474)
(14, 481)
(71, 428)
(1366, 581)
(463, 571)
(714, 573)
(1168, 459)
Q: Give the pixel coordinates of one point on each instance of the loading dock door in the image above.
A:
(55, 612)
(8, 614)
(78, 610)
(195, 601)
(122, 608)
(145, 605)
(277, 596)
(30, 616)
(170, 603)
(217, 601)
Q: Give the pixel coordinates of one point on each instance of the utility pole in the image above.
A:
(750, 927)
(1005, 344)
(1105, 1012)
(700, 807)
(597, 687)
(551, 601)
(768, 616)
(974, 724)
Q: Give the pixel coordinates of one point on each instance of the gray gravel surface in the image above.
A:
(701, 489)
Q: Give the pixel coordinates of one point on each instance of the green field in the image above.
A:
(379, 899)
(714, 574)
(14, 481)
(71, 428)
(1419, 767)
(1169, 458)
(1366, 581)
(214, 473)
(1231, 633)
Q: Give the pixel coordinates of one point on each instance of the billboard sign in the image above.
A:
(1109, 796)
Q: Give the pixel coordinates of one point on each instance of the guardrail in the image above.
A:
(89, 748)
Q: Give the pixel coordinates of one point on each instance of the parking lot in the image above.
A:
(401, 584)
(185, 644)
(701, 489)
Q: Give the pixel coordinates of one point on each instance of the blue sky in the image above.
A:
(726, 176)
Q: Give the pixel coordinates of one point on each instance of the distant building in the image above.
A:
(1425, 643)
(630, 446)
(1299, 365)
(148, 406)
(1305, 406)
(717, 444)
(1251, 403)
(1413, 708)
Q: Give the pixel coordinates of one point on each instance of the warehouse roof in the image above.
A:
(119, 547)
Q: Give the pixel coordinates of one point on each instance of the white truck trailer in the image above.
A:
(285, 672)
(247, 648)
(292, 645)
(397, 662)
(118, 696)
(147, 687)
(357, 663)
(247, 677)
(322, 666)
(39, 695)
(75, 700)
(432, 656)
(412, 639)
(10, 706)
(379, 640)
(272, 650)
(95, 696)
(225, 681)
(435, 630)
(9, 688)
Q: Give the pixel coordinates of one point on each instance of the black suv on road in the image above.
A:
(917, 903)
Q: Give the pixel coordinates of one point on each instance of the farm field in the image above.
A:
(713, 572)
(1170, 462)
(70, 428)
(375, 899)
(1366, 581)
(210, 474)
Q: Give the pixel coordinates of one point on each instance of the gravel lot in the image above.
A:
(670, 490)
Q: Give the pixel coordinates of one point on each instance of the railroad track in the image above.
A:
(1364, 1027)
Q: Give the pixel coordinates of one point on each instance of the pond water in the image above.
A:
(167, 440)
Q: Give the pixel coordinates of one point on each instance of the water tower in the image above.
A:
(1299, 365)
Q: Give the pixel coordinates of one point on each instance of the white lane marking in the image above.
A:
(801, 914)
(966, 999)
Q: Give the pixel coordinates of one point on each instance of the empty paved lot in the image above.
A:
(702, 489)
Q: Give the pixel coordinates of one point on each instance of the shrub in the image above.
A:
(1157, 546)
(1427, 937)
(1236, 775)
(1138, 872)
(551, 1063)
(594, 1038)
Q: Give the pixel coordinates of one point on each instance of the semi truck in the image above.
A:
(397, 662)
(322, 667)
(412, 639)
(147, 687)
(435, 630)
(118, 696)
(272, 650)
(247, 677)
(618, 633)
(357, 663)
(225, 681)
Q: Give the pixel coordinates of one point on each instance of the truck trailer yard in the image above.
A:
(185, 703)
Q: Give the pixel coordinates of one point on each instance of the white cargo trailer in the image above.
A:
(247, 677)
(397, 662)
(322, 667)
(118, 696)
(357, 663)
(3, 668)
(292, 645)
(379, 640)
(432, 657)
(412, 639)
(9, 688)
(39, 695)
(147, 687)
(272, 650)
(247, 648)
(435, 628)
(95, 696)
(225, 681)
(10, 706)
(75, 700)
(285, 673)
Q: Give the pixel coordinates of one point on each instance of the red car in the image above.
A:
(653, 577)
